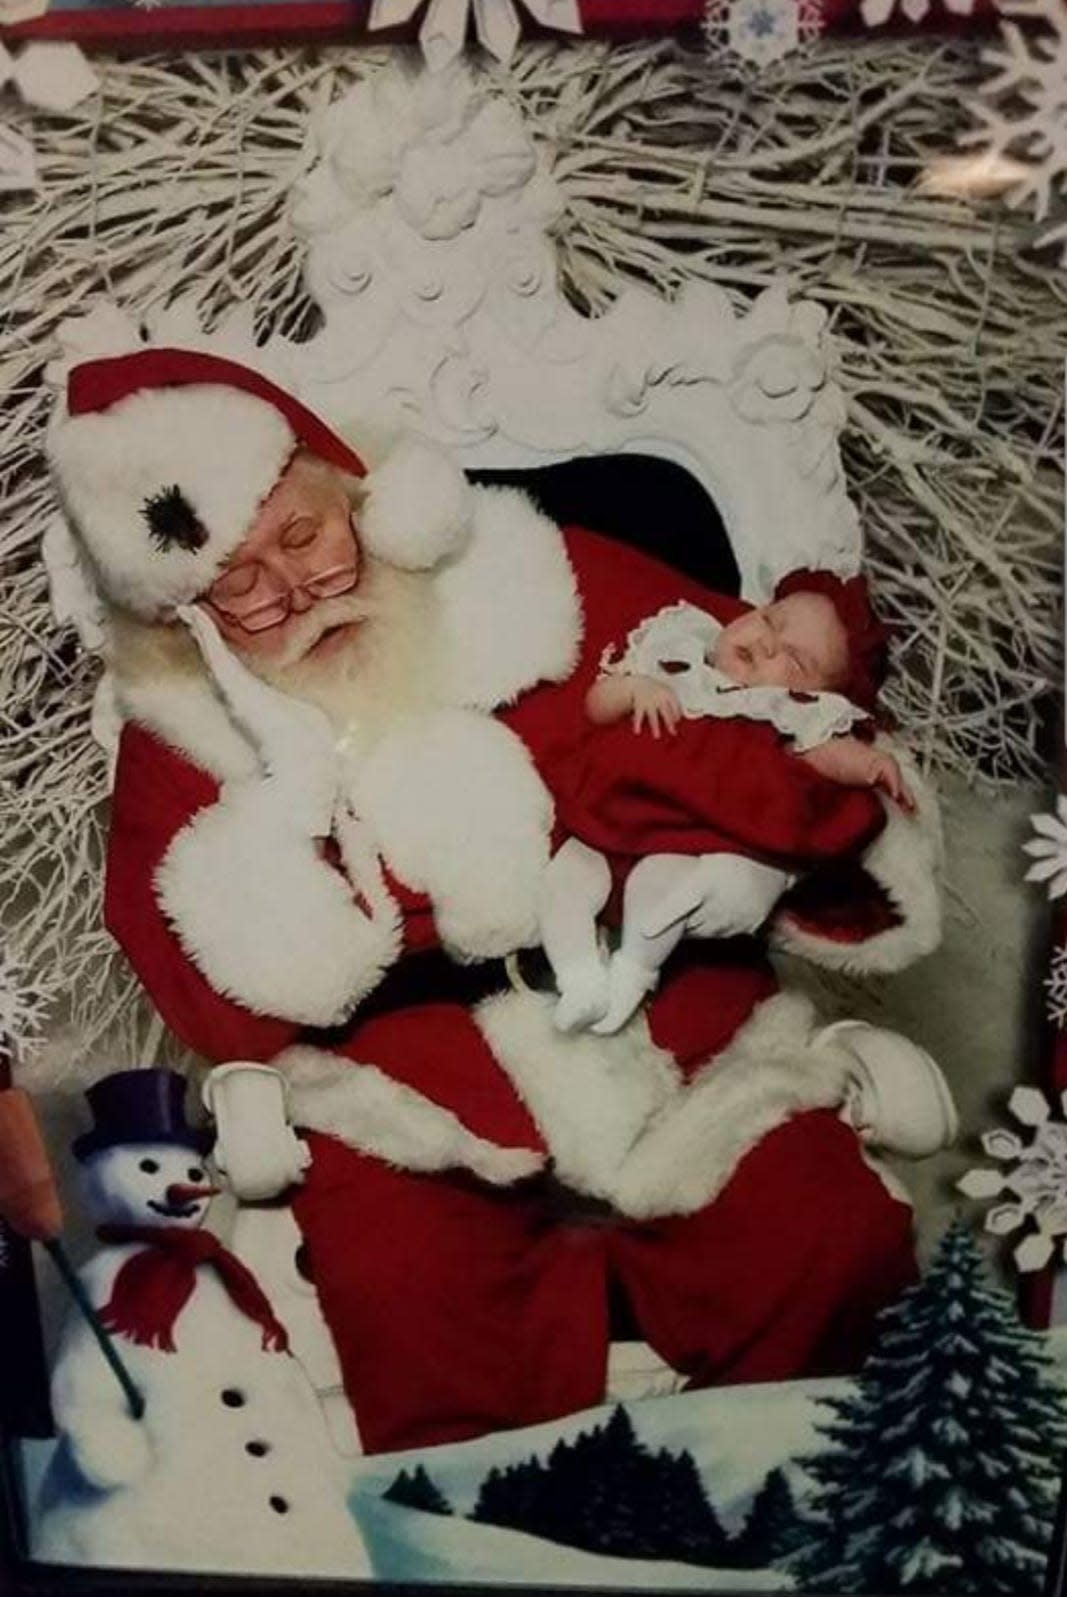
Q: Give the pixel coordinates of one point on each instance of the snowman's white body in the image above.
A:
(230, 1469)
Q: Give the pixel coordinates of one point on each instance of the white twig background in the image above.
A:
(950, 337)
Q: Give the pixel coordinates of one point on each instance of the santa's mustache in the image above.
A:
(306, 630)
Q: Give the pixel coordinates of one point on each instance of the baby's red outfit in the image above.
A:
(714, 786)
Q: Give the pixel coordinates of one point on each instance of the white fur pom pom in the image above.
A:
(418, 507)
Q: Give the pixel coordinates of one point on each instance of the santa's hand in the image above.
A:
(656, 706)
(109, 1448)
(256, 1149)
(294, 739)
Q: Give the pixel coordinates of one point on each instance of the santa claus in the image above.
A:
(350, 696)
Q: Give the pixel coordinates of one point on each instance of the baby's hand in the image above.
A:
(856, 764)
(884, 773)
(654, 705)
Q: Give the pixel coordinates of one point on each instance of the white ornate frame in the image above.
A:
(428, 215)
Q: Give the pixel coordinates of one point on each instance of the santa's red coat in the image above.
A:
(459, 1308)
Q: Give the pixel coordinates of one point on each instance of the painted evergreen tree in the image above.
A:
(773, 1527)
(687, 1527)
(942, 1469)
(417, 1490)
(607, 1492)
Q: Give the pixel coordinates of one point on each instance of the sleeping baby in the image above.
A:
(808, 667)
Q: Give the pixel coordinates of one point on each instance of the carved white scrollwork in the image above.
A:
(428, 215)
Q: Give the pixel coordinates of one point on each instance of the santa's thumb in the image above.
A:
(289, 735)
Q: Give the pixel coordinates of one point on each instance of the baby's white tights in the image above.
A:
(667, 897)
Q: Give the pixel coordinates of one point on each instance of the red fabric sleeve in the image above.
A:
(712, 787)
(156, 794)
(715, 786)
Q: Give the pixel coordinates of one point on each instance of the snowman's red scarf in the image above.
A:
(153, 1286)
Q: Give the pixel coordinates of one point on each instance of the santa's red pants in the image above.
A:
(459, 1310)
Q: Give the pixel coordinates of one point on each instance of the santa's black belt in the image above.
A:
(433, 978)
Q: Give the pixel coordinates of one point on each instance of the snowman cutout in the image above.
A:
(230, 1467)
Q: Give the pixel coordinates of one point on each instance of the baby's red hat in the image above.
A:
(868, 639)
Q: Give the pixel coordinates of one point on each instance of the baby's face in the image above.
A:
(798, 642)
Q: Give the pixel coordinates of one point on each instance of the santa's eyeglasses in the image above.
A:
(252, 614)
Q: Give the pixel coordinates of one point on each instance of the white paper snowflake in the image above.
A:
(757, 33)
(49, 76)
(1048, 849)
(1035, 1182)
(877, 12)
(13, 12)
(1056, 988)
(1021, 111)
(497, 25)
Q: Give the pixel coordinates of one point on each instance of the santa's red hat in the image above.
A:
(163, 457)
(868, 639)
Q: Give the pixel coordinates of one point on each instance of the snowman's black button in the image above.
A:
(257, 1449)
(232, 1397)
(279, 1505)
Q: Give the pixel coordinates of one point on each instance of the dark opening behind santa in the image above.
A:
(337, 893)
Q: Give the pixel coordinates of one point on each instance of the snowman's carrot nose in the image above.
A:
(183, 1194)
(28, 1198)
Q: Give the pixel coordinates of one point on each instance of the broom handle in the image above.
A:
(107, 1347)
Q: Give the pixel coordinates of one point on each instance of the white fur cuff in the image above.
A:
(777, 1066)
(905, 860)
(370, 1112)
(241, 897)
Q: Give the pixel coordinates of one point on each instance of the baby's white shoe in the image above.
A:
(896, 1098)
(583, 997)
(629, 984)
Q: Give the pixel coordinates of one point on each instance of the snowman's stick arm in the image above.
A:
(30, 1204)
(72, 1281)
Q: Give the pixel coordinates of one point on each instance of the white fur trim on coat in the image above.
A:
(776, 1066)
(618, 1120)
(616, 1117)
(459, 812)
(906, 861)
(369, 1111)
(590, 1097)
(223, 450)
(418, 507)
(511, 614)
(242, 888)
(189, 716)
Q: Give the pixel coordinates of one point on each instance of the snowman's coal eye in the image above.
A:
(195, 1173)
(149, 1166)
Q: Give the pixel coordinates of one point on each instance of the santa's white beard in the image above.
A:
(384, 667)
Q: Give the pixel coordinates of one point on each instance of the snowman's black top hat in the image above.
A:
(134, 1106)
